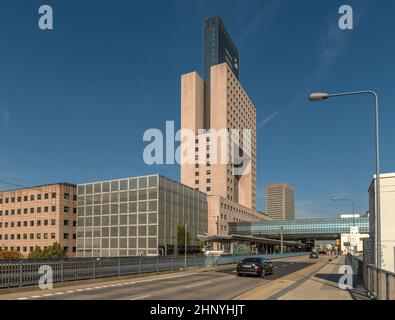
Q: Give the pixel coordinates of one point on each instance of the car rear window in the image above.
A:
(255, 260)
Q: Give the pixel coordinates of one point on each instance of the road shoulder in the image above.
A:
(318, 281)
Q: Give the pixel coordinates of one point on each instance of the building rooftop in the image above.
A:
(143, 176)
(39, 186)
(382, 176)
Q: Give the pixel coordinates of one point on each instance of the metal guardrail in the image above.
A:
(25, 272)
(379, 283)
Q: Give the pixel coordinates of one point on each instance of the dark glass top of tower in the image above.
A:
(218, 47)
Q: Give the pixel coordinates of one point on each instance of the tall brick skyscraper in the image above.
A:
(220, 103)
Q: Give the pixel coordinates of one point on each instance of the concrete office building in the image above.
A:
(387, 220)
(137, 216)
(222, 211)
(280, 201)
(228, 107)
(38, 216)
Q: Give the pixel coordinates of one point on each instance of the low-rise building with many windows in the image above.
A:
(137, 216)
(38, 216)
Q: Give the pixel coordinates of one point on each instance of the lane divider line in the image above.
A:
(101, 287)
(142, 297)
(197, 284)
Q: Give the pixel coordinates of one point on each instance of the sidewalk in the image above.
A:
(324, 285)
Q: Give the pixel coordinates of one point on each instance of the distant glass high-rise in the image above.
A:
(218, 48)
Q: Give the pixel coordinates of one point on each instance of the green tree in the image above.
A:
(201, 245)
(10, 255)
(37, 253)
(180, 238)
(52, 252)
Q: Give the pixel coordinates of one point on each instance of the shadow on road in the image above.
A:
(329, 277)
(281, 269)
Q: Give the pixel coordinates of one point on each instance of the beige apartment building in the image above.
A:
(280, 201)
(230, 109)
(222, 211)
(38, 216)
(231, 197)
(220, 119)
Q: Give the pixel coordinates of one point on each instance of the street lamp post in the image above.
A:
(351, 247)
(353, 207)
(282, 239)
(323, 96)
(186, 244)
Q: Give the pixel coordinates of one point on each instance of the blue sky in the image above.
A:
(75, 101)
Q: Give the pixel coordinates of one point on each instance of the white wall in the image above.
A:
(387, 219)
(345, 237)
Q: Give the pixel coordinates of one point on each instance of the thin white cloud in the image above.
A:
(268, 119)
(331, 45)
(333, 42)
(6, 121)
(5, 117)
(270, 9)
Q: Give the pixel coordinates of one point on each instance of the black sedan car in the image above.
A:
(314, 255)
(255, 266)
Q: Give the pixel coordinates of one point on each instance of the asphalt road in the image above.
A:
(219, 284)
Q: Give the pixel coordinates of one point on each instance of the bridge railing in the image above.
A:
(26, 272)
(379, 283)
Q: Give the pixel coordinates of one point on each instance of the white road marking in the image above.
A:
(138, 298)
(198, 284)
(112, 285)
